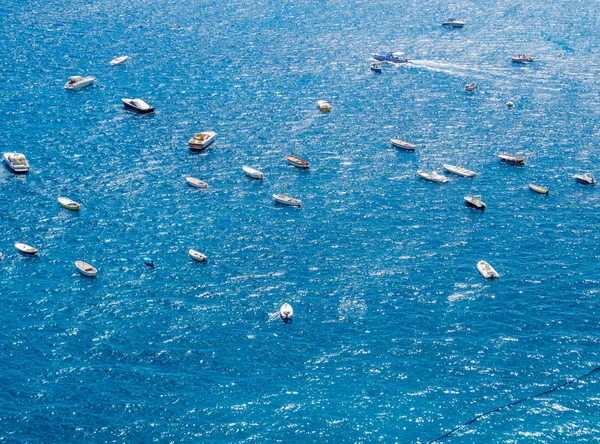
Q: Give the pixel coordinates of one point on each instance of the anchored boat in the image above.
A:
(507, 158)
(403, 145)
(487, 271)
(17, 162)
(86, 269)
(286, 200)
(286, 312)
(297, 162)
(197, 256)
(460, 171)
(474, 202)
(538, 189)
(196, 183)
(26, 249)
(585, 179)
(137, 105)
(68, 203)
(201, 140)
(432, 177)
(253, 173)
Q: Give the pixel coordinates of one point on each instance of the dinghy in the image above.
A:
(286, 200)
(251, 172)
(201, 140)
(196, 183)
(68, 203)
(432, 177)
(486, 270)
(286, 312)
(118, 60)
(297, 162)
(459, 171)
(324, 106)
(403, 145)
(86, 269)
(475, 202)
(197, 256)
(26, 249)
(538, 189)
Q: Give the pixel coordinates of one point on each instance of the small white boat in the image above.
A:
(197, 256)
(16, 162)
(459, 171)
(26, 249)
(508, 158)
(432, 177)
(286, 200)
(297, 162)
(68, 203)
(201, 140)
(324, 106)
(1, 256)
(522, 58)
(486, 270)
(538, 189)
(470, 87)
(137, 105)
(86, 269)
(78, 82)
(453, 23)
(253, 173)
(403, 145)
(286, 312)
(196, 183)
(585, 179)
(475, 202)
(118, 60)
(510, 104)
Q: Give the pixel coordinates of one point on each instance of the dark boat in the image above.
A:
(389, 57)
(453, 23)
(137, 105)
(376, 67)
(522, 58)
(470, 87)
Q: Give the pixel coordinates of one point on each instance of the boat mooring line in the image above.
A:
(510, 404)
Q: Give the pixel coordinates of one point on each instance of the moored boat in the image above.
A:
(585, 179)
(475, 202)
(487, 271)
(453, 23)
(432, 177)
(201, 140)
(376, 67)
(68, 203)
(403, 145)
(17, 162)
(1, 256)
(86, 269)
(324, 106)
(522, 58)
(78, 82)
(26, 249)
(460, 171)
(197, 256)
(470, 87)
(196, 183)
(286, 312)
(508, 158)
(296, 161)
(253, 173)
(538, 189)
(137, 105)
(118, 60)
(148, 261)
(394, 57)
(286, 200)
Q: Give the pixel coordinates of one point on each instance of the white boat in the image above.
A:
(453, 23)
(486, 270)
(403, 145)
(324, 105)
(475, 202)
(508, 158)
(522, 58)
(286, 200)
(253, 173)
(137, 105)
(460, 171)
(286, 312)
(1, 256)
(432, 177)
(16, 162)
(26, 249)
(201, 140)
(585, 179)
(510, 104)
(197, 256)
(297, 162)
(538, 189)
(470, 87)
(86, 269)
(78, 82)
(196, 183)
(68, 203)
(118, 60)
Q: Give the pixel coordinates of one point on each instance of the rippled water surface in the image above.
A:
(396, 337)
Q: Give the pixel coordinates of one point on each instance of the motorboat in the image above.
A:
(286, 200)
(376, 67)
(253, 173)
(403, 145)
(487, 271)
(201, 140)
(17, 162)
(118, 60)
(26, 249)
(137, 105)
(78, 82)
(453, 23)
(459, 171)
(68, 203)
(286, 312)
(148, 261)
(197, 256)
(1, 256)
(324, 106)
(86, 269)
(585, 179)
(470, 87)
(196, 183)
(538, 189)
(522, 58)
(512, 159)
(432, 177)
(394, 57)
(474, 202)
(510, 104)
(296, 161)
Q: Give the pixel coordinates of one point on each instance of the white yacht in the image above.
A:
(78, 82)
(286, 312)
(16, 162)
(459, 171)
(137, 105)
(201, 140)
(118, 60)
(432, 177)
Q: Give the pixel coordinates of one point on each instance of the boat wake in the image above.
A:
(448, 68)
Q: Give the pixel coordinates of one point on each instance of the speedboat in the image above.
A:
(460, 171)
(453, 23)
(148, 261)
(296, 161)
(393, 57)
(78, 82)
(196, 183)
(585, 179)
(324, 106)
(16, 162)
(251, 172)
(403, 145)
(376, 67)
(538, 189)
(86, 269)
(470, 87)
(510, 104)
(286, 200)
(137, 105)
(118, 60)
(432, 177)
(475, 202)
(201, 140)
(487, 271)
(286, 312)
(511, 159)
(26, 249)
(68, 203)
(522, 58)
(197, 256)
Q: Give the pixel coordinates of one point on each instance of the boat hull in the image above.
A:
(432, 177)
(513, 160)
(474, 203)
(402, 145)
(538, 189)
(297, 162)
(86, 269)
(197, 256)
(26, 249)
(288, 201)
(196, 183)
(252, 173)
(459, 171)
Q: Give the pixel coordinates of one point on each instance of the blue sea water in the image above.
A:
(396, 337)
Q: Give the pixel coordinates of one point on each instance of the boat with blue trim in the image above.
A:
(393, 57)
